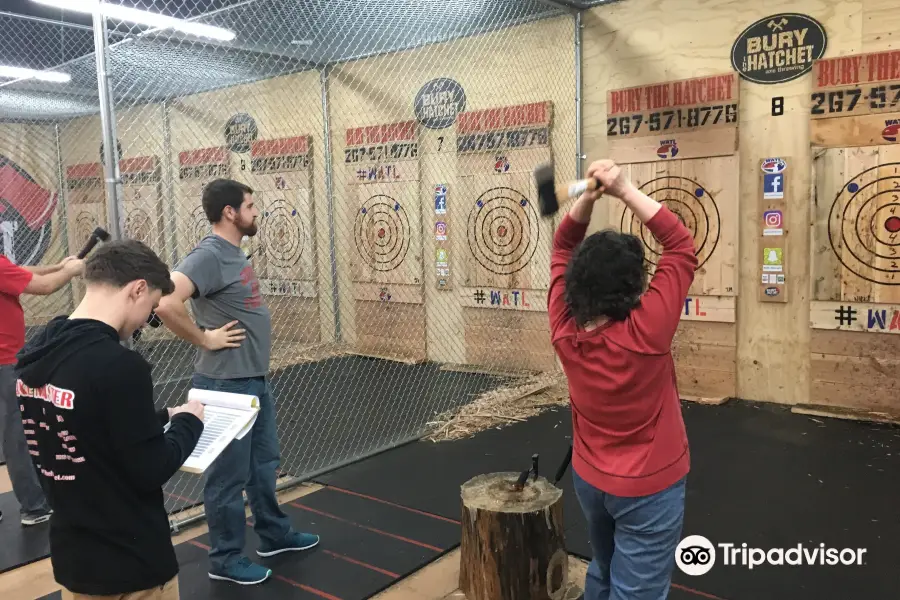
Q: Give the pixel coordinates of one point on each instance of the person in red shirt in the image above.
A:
(612, 331)
(15, 281)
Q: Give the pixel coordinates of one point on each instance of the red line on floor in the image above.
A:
(696, 592)
(406, 508)
(199, 545)
(362, 564)
(306, 588)
(372, 529)
(182, 498)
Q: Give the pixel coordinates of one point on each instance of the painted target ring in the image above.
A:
(864, 225)
(85, 224)
(503, 230)
(138, 226)
(382, 233)
(692, 203)
(284, 234)
(200, 226)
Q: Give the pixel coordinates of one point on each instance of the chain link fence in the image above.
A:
(391, 147)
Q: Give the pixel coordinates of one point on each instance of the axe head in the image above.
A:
(101, 234)
(546, 188)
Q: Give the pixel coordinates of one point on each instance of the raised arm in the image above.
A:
(656, 318)
(569, 234)
(39, 281)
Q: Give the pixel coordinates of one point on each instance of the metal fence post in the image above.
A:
(329, 192)
(579, 97)
(63, 202)
(114, 209)
(168, 183)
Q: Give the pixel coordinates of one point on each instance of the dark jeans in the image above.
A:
(633, 541)
(250, 463)
(22, 473)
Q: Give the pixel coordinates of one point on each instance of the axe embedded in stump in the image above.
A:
(513, 537)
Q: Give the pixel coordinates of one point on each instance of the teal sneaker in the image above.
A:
(292, 543)
(243, 572)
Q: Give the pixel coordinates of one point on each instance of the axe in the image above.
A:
(98, 235)
(550, 195)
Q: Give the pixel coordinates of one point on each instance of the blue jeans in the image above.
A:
(250, 463)
(633, 541)
(22, 472)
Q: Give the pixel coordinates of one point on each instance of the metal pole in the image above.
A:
(114, 210)
(169, 182)
(329, 193)
(579, 98)
(63, 205)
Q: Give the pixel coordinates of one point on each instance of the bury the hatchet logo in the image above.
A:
(777, 25)
(26, 209)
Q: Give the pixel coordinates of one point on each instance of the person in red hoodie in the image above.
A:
(613, 334)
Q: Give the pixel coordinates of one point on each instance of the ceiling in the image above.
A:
(274, 37)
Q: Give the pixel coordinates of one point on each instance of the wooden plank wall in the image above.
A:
(645, 41)
(856, 370)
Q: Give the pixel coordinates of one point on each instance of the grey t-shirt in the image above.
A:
(228, 290)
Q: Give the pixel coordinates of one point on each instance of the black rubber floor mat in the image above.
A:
(20, 545)
(326, 404)
(760, 475)
(366, 547)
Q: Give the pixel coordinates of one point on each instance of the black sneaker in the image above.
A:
(36, 518)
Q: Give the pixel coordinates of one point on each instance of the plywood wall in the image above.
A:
(645, 41)
(527, 64)
(767, 354)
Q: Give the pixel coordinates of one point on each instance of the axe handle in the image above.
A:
(562, 468)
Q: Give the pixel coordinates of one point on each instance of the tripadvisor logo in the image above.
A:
(696, 555)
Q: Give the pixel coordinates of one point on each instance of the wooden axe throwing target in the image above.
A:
(678, 142)
(854, 125)
(280, 177)
(141, 184)
(384, 218)
(508, 242)
(196, 168)
(505, 260)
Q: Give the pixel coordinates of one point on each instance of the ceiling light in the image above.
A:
(20, 73)
(142, 17)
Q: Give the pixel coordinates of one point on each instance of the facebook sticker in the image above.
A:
(440, 200)
(773, 186)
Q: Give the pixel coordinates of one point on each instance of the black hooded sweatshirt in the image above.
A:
(102, 455)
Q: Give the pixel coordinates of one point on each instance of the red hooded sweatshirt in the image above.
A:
(628, 434)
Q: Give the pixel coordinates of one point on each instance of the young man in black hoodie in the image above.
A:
(95, 438)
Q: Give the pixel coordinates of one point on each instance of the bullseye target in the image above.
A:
(138, 226)
(864, 224)
(283, 233)
(382, 233)
(503, 230)
(694, 206)
(85, 224)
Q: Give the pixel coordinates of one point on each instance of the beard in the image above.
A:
(249, 229)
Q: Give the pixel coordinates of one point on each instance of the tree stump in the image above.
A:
(513, 541)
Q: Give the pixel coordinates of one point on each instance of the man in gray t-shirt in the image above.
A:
(233, 335)
(226, 290)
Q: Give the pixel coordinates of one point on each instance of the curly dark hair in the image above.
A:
(605, 277)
